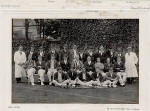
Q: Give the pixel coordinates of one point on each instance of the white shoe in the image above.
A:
(114, 86)
(32, 84)
(42, 84)
(50, 83)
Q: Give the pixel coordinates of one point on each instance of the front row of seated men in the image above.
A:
(88, 74)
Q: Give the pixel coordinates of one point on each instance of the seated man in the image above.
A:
(72, 75)
(41, 69)
(89, 65)
(52, 68)
(119, 68)
(77, 65)
(107, 65)
(100, 66)
(112, 77)
(65, 65)
(84, 78)
(30, 72)
(60, 79)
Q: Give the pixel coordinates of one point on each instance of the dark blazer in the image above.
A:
(43, 57)
(48, 56)
(118, 67)
(83, 57)
(48, 64)
(62, 54)
(71, 55)
(101, 56)
(95, 77)
(92, 56)
(107, 67)
(112, 56)
(34, 56)
(121, 55)
(89, 67)
(65, 66)
(72, 75)
(113, 76)
(41, 65)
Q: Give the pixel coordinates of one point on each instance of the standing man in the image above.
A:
(130, 64)
(100, 54)
(63, 52)
(73, 54)
(82, 55)
(19, 59)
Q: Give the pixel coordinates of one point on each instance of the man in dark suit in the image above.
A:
(89, 53)
(112, 77)
(119, 68)
(63, 52)
(89, 65)
(107, 65)
(60, 79)
(111, 54)
(50, 53)
(100, 54)
(65, 65)
(32, 55)
(82, 55)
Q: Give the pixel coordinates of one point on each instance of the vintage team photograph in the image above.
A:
(75, 61)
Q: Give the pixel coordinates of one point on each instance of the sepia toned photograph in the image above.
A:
(75, 61)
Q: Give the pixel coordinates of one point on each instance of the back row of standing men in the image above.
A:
(77, 67)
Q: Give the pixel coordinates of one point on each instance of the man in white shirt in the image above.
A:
(19, 59)
(52, 68)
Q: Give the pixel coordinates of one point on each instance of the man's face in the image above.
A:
(52, 57)
(71, 69)
(77, 58)
(111, 50)
(65, 47)
(111, 70)
(32, 49)
(89, 58)
(20, 48)
(84, 71)
(65, 58)
(108, 60)
(60, 71)
(97, 70)
(98, 59)
(74, 47)
(118, 59)
(129, 50)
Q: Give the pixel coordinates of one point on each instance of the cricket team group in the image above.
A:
(75, 67)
